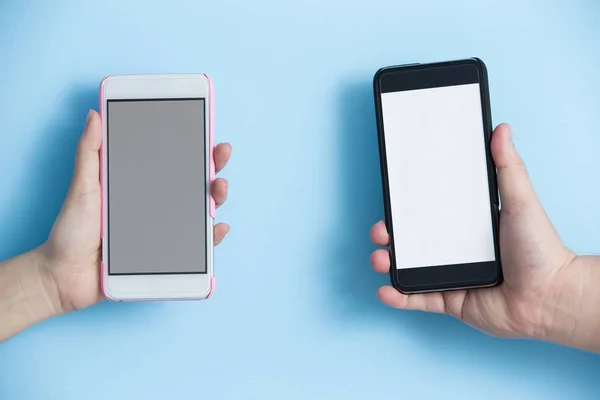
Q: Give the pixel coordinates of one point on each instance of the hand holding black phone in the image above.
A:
(439, 180)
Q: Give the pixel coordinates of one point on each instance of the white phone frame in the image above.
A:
(157, 287)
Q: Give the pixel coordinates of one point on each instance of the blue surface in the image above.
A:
(295, 314)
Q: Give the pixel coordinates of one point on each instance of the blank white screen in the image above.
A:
(437, 175)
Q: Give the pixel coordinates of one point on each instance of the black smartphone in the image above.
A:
(439, 180)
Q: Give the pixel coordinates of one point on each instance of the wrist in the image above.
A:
(47, 297)
(37, 287)
(28, 294)
(554, 309)
(569, 315)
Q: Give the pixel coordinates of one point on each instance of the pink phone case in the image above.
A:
(211, 142)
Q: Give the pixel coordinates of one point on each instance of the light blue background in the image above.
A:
(295, 315)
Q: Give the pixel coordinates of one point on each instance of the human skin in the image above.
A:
(549, 293)
(63, 274)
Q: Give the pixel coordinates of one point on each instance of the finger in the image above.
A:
(222, 154)
(86, 177)
(379, 234)
(219, 191)
(380, 260)
(516, 191)
(221, 231)
(429, 302)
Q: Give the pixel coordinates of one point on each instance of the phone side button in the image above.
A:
(212, 207)
(497, 212)
(102, 288)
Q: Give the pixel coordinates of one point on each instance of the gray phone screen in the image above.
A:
(156, 174)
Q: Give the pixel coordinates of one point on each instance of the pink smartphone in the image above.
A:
(156, 171)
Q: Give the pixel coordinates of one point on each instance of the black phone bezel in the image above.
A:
(444, 277)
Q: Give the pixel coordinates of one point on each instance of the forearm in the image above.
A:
(571, 314)
(26, 293)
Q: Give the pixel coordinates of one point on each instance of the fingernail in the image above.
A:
(89, 117)
(508, 134)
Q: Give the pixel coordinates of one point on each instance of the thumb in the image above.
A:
(516, 191)
(86, 177)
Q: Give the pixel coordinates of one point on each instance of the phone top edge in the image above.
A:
(435, 64)
(167, 76)
(108, 80)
